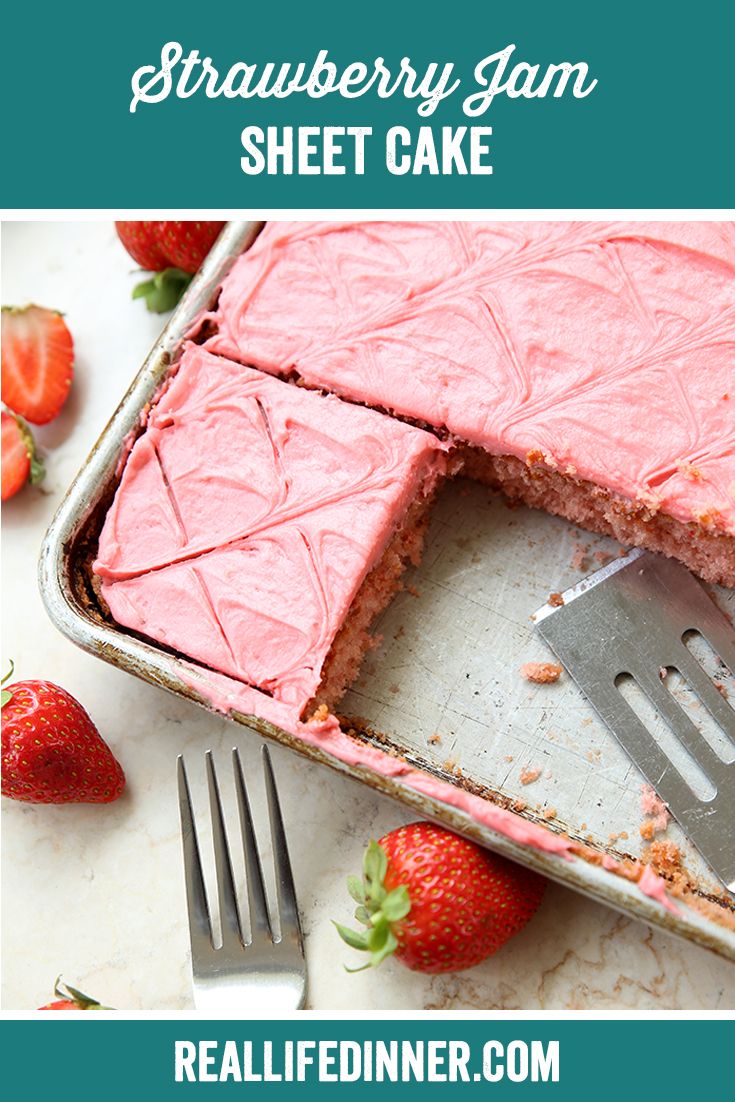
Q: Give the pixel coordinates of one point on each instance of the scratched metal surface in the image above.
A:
(449, 666)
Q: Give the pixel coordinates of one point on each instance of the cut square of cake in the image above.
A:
(586, 368)
(259, 527)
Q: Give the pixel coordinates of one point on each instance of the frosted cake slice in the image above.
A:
(589, 367)
(259, 527)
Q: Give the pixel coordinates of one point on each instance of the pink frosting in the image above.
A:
(654, 886)
(248, 515)
(607, 348)
(226, 696)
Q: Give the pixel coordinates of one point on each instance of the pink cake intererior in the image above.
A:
(252, 515)
(589, 366)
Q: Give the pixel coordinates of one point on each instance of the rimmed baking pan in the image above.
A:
(443, 689)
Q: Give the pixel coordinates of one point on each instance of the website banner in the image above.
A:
(409, 105)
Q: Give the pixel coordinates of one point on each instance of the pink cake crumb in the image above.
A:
(579, 559)
(528, 776)
(541, 673)
(657, 811)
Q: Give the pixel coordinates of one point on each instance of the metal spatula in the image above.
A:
(629, 621)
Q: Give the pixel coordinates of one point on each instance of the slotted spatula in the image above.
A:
(628, 620)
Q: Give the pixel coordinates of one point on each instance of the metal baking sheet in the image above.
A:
(443, 687)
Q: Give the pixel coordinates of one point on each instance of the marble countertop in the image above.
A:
(96, 892)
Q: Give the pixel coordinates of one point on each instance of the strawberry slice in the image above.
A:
(20, 463)
(37, 362)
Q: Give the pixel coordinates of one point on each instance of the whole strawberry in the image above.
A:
(69, 998)
(52, 753)
(436, 901)
(174, 250)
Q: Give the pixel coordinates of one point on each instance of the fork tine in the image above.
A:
(229, 917)
(200, 926)
(285, 892)
(260, 926)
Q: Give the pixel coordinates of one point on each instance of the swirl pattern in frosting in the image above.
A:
(606, 348)
(247, 517)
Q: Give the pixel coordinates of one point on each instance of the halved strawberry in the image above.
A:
(20, 463)
(37, 362)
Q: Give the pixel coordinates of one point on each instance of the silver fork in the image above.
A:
(266, 974)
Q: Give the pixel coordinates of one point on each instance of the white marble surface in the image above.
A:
(96, 892)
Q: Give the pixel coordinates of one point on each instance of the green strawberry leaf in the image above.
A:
(375, 863)
(354, 939)
(377, 909)
(356, 888)
(389, 946)
(396, 904)
(375, 866)
(84, 1002)
(77, 996)
(163, 291)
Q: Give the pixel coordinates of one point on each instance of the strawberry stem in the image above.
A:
(84, 1002)
(378, 909)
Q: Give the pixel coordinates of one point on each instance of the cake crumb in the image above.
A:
(721, 689)
(555, 600)
(394, 688)
(665, 857)
(319, 715)
(688, 470)
(435, 740)
(519, 805)
(413, 591)
(550, 813)
(580, 560)
(657, 812)
(541, 673)
(528, 776)
(710, 519)
(603, 557)
(509, 757)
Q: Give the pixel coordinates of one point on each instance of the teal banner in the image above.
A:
(380, 105)
(569, 1060)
